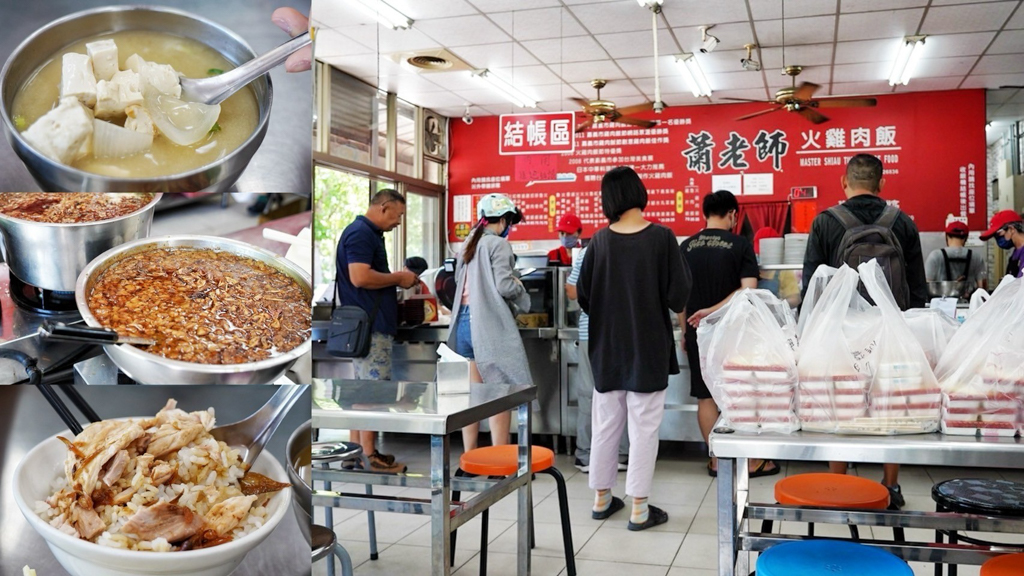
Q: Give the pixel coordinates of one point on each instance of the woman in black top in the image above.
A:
(632, 275)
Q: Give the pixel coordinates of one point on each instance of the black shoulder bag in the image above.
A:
(350, 331)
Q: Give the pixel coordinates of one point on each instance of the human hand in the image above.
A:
(294, 23)
(407, 279)
(696, 317)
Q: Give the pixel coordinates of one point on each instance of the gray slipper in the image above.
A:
(616, 505)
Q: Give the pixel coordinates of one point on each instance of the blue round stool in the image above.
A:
(828, 557)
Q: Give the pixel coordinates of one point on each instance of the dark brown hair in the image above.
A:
(385, 195)
(621, 190)
(864, 172)
(470, 250)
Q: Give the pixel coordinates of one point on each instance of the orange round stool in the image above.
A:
(824, 490)
(1005, 565)
(504, 461)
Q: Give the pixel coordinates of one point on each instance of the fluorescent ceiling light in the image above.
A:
(911, 48)
(508, 90)
(385, 13)
(693, 75)
(650, 3)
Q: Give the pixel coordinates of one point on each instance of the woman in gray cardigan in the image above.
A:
(483, 328)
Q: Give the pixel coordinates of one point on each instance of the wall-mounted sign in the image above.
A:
(803, 192)
(536, 133)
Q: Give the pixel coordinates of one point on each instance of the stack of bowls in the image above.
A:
(796, 245)
(772, 250)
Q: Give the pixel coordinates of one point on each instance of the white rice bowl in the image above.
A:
(41, 473)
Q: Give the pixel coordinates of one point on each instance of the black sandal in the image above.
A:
(655, 516)
(761, 470)
(616, 505)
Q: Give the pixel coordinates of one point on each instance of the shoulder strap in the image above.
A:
(845, 217)
(945, 260)
(888, 217)
(376, 306)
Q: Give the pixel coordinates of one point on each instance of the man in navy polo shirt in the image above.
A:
(365, 280)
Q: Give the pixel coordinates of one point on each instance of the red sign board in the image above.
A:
(932, 145)
(537, 133)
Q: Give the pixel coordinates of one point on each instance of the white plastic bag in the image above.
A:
(815, 288)
(981, 372)
(933, 329)
(748, 358)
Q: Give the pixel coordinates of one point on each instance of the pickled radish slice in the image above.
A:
(183, 123)
(113, 141)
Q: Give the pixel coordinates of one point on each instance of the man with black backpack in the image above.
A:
(864, 228)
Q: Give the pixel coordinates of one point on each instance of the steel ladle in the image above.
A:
(251, 435)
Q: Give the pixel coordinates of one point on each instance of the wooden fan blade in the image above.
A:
(846, 102)
(635, 122)
(812, 115)
(628, 110)
(805, 91)
(748, 100)
(584, 103)
(761, 113)
(584, 125)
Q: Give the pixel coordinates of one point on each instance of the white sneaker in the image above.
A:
(583, 467)
(623, 466)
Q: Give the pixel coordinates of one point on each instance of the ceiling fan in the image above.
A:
(605, 110)
(799, 99)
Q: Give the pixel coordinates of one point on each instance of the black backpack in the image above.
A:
(947, 260)
(863, 242)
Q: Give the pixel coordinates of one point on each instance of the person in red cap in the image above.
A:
(955, 262)
(570, 229)
(1008, 230)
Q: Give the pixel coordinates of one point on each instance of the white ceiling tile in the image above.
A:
(451, 112)
(671, 82)
(758, 94)
(419, 10)
(730, 36)
(720, 61)
(805, 55)
(386, 40)
(949, 2)
(634, 44)
(486, 96)
(772, 9)
(411, 83)
(333, 43)
(816, 74)
(937, 67)
(999, 96)
(811, 30)
(1016, 21)
(965, 18)
(457, 80)
(850, 6)
(462, 31)
(575, 2)
(867, 51)
(506, 5)
(333, 14)
(1000, 64)
(951, 45)
(644, 67)
(1018, 96)
(930, 84)
(362, 66)
(433, 100)
(860, 88)
(704, 13)
(529, 75)
(587, 71)
(614, 90)
(736, 80)
(617, 17)
(681, 99)
(539, 24)
(888, 24)
(575, 49)
(1008, 42)
(499, 109)
(993, 81)
(500, 55)
(866, 71)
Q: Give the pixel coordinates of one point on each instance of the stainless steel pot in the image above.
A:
(217, 176)
(299, 445)
(948, 289)
(148, 368)
(52, 256)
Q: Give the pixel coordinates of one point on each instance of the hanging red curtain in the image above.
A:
(761, 214)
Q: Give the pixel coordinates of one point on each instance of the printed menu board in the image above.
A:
(932, 145)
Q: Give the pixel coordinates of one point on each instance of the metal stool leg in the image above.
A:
(329, 518)
(370, 518)
(563, 509)
(346, 560)
(484, 518)
(456, 494)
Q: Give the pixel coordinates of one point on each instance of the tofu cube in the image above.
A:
(77, 78)
(161, 77)
(104, 58)
(61, 133)
(124, 89)
(139, 120)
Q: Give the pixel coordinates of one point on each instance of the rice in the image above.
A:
(197, 476)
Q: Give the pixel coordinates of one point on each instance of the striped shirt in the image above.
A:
(574, 276)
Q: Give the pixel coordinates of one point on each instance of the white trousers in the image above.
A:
(610, 413)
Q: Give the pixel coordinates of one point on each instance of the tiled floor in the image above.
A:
(686, 545)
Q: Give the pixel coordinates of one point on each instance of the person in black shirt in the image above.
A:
(863, 183)
(631, 276)
(722, 263)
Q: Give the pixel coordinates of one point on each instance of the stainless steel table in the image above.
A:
(733, 449)
(283, 162)
(417, 408)
(26, 420)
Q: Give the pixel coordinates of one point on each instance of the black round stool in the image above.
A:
(981, 496)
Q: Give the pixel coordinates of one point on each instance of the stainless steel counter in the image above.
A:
(26, 420)
(283, 162)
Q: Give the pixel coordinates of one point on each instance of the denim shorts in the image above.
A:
(463, 334)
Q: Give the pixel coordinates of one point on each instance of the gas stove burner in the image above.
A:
(41, 300)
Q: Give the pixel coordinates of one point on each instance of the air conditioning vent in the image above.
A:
(430, 60)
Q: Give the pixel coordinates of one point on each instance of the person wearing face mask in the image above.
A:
(1008, 230)
(483, 328)
(570, 229)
